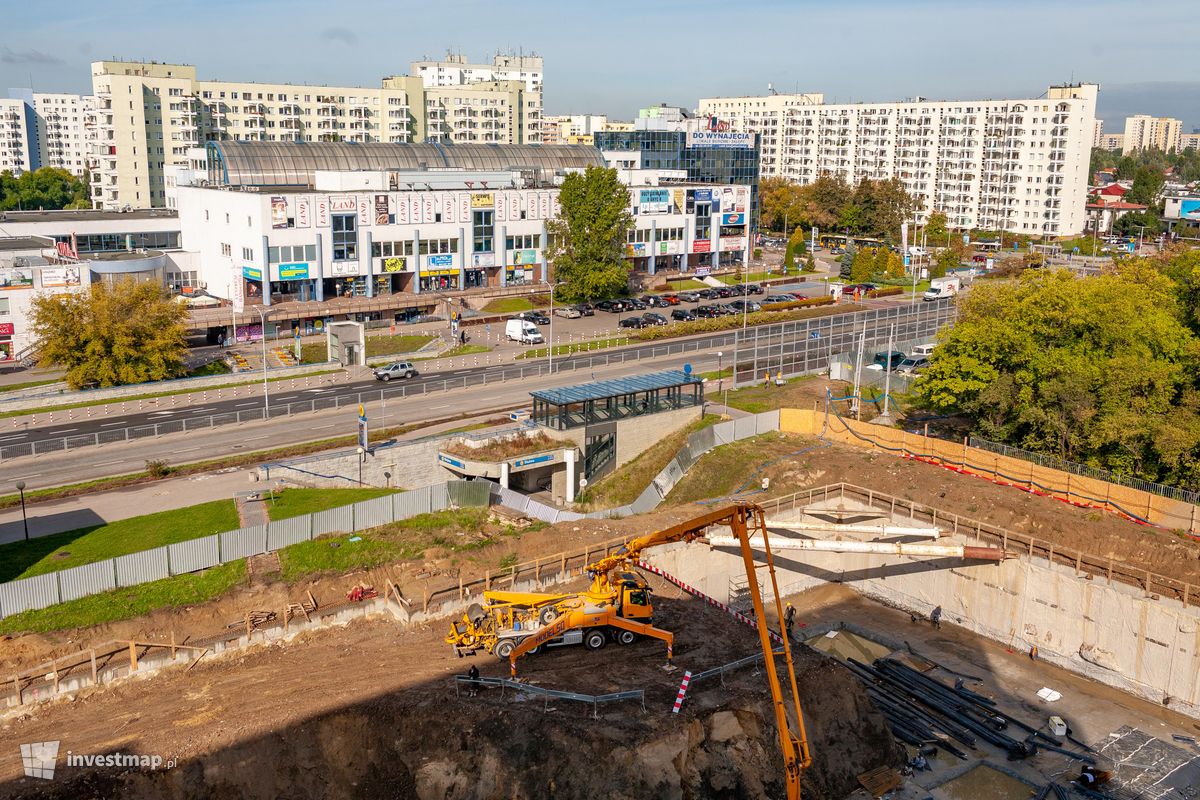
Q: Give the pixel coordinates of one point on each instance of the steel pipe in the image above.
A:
(881, 548)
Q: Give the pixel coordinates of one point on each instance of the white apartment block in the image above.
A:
(1143, 132)
(1189, 141)
(1098, 133)
(149, 115)
(17, 148)
(1014, 165)
(565, 128)
(1112, 141)
(456, 71)
(63, 129)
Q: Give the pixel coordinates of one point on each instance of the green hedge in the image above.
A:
(814, 309)
(885, 292)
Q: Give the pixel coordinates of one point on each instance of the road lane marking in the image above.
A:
(107, 424)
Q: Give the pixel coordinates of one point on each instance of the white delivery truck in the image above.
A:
(943, 288)
(523, 331)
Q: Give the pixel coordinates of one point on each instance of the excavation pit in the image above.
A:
(985, 782)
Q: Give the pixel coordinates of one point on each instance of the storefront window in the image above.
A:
(439, 283)
(475, 278)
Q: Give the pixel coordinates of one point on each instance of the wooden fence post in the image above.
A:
(563, 567)
(17, 689)
(172, 644)
(460, 586)
(132, 658)
(95, 681)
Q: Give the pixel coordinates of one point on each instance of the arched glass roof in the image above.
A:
(296, 163)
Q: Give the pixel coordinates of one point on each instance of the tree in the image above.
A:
(782, 203)
(48, 188)
(128, 332)
(1097, 370)
(895, 266)
(796, 246)
(1147, 183)
(810, 263)
(935, 228)
(862, 267)
(589, 234)
(945, 261)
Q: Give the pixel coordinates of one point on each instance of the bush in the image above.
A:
(157, 469)
(758, 254)
(888, 291)
(809, 303)
(810, 308)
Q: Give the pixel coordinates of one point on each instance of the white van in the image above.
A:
(922, 350)
(523, 331)
(943, 288)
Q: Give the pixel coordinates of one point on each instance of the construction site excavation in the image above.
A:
(813, 607)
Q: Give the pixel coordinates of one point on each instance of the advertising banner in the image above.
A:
(322, 212)
(670, 248)
(483, 200)
(293, 272)
(16, 278)
(237, 291)
(303, 212)
(464, 206)
(394, 264)
(428, 207)
(703, 195)
(252, 273)
(437, 273)
(514, 206)
(483, 259)
(341, 269)
(417, 210)
(703, 271)
(279, 210)
(735, 141)
(635, 249)
(680, 198)
(733, 219)
(733, 200)
(1190, 210)
(6, 329)
(525, 257)
(342, 203)
(731, 244)
(543, 205)
(554, 206)
(364, 210)
(54, 277)
(654, 201)
(447, 205)
(402, 209)
(382, 211)
(442, 260)
(702, 246)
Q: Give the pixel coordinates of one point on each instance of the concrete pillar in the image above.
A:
(543, 240)
(265, 266)
(365, 254)
(503, 474)
(502, 251)
(320, 269)
(569, 456)
(463, 257)
(650, 265)
(416, 261)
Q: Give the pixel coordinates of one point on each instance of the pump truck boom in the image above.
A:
(617, 604)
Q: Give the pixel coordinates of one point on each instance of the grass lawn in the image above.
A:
(132, 601)
(16, 387)
(392, 345)
(86, 545)
(465, 350)
(578, 347)
(512, 305)
(725, 469)
(500, 449)
(752, 277)
(798, 393)
(625, 484)
(295, 501)
(455, 531)
(685, 284)
(210, 369)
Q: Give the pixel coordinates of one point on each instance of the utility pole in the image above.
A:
(887, 378)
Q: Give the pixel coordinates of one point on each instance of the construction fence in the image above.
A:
(1083, 490)
(41, 591)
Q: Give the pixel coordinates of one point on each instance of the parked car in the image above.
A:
(585, 309)
(689, 297)
(523, 331)
(745, 305)
(707, 312)
(567, 312)
(632, 322)
(788, 297)
(728, 310)
(652, 318)
(654, 301)
(772, 299)
(611, 306)
(536, 317)
(754, 288)
(724, 291)
(979, 258)
(862, 288)
(707, 294)
(635, 304)
(887, 361)
(682, 315)
(671, 299)
(912, 365)
(397, 369)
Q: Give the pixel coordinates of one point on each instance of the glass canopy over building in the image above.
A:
(608, 401)
(234, 163)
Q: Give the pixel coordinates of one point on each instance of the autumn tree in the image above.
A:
(111, 334)
(48, 188)
(589, 234)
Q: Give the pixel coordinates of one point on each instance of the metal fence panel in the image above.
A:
(648, 500)
(468, 493)
(744, 428)
(767, 421)
(27, 593)
(702, 441)
(406, 505)
(723, 433)
(510, 499)
(288, 531)
(141, 567)
(372, 513)
(194, 555)
(670, 475)
(243, 543)
(333, 520)
(439, 497)
(87, 579)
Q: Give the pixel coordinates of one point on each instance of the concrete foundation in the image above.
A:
(1110, 632)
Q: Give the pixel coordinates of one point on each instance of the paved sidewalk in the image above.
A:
(72, 513)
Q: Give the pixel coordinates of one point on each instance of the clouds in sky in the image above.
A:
(617, 56)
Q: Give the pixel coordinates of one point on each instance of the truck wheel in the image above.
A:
(594, 640)
(504, 649)
(548, 615)
(625, 637)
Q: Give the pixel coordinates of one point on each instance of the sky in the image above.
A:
(616, 56)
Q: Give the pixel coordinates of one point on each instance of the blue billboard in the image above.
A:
(1189, 210)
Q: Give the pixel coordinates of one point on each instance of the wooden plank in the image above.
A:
(880, 781)
(132, 658)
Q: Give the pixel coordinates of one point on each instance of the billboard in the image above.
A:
(54, 277)
(723, 139)
(483, 260)
(635, 249)
(279, 212)
(381, 209)
(702, 246)
(733, 219)
(733, 200)
(293, 272)
(445, 260)
(483, 200)
(16, 278)
(394, 264)
(1189, 210)
(252, 273)
(654, 201)
(303, 212)
(525, 257)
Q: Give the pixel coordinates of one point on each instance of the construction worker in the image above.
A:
(935, 617)
(789, 618)
(473, 675)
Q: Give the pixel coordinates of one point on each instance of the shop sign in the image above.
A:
(435, 273)
(483, 200)
(394, 264)
(735, 141)
(342, 203)
(654, 201)
(293, 272)
(252, 273)
(279, 209)
(635, 249)
(702, 246)
(6, 329)
(733, 219)
(302, 212)
(443, 260)
(322, 212)
(525, 257)
(16, 278)
(53, 277)
(731, 244)
(343, 268)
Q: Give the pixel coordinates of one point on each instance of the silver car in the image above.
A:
(567, 312)
(912, 365)
(397, 369)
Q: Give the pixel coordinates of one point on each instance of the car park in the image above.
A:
(754, 288)
(728, 310)
(652, 318)
(567, 312)
(611, 306)
(585, 309)
(724, 291)
(635, 304)
(654, 301)
(397, 369)
(632, 322)
(682, 315)
(689, 297)
(746, 305)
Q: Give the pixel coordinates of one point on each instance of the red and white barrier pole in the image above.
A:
(683, 687)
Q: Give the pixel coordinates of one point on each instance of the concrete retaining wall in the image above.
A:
(408, 465)
(1112, 633)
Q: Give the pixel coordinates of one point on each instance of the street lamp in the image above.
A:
(362, 456)
(266, 397)
(550, 344)
(720, 371)
(24, 519)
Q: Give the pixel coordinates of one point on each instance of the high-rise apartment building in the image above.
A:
(569, 128)
(55, 130)
(1189, 141)
(1143, 132)
(149, 115)
(1014, 165)
(18, 132)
